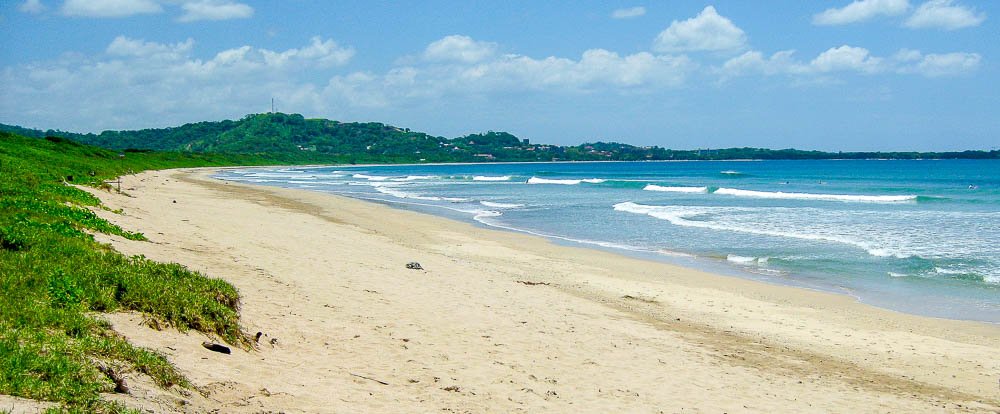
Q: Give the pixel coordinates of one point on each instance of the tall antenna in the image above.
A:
(272, 105)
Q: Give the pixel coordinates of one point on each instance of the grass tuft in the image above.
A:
(54, 278)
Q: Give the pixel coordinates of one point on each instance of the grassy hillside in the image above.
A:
(296, 139)
(54, 276)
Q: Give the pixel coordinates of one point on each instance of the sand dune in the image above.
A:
(503, 322)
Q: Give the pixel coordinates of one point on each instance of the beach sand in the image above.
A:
(504, 322)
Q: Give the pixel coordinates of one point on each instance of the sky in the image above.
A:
(830, 75)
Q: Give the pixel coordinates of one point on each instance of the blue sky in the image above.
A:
(832, 75)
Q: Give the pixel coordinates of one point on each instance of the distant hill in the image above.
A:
(296, 138)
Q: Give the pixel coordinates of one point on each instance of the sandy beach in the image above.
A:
(504, 322)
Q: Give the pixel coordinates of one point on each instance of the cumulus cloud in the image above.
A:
(323, 53)
(458, 48)
(850, 59)
(708, 31)
(944, 14)
(628, 13)
(214, 10)
(937, 65)
(846, 58)
(137, 83)
(109, 8)
(32, 6)
(907, 55)
(124, 46)
(861, 10)
(595, 70)
(754, 62)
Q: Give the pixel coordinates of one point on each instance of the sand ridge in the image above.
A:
(503, 322)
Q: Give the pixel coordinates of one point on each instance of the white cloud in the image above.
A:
(138, 83)
(846, 58)
(628, 13)
(849, 59)
(755, 62)
(124, 46)
(323, 53)
(32, 6)
(861, 10)
(459, 48)
(708, 31)
(944, 14)
(906, 55)
(948, 64)
(595, 70)
(109, 8)
(214, 10)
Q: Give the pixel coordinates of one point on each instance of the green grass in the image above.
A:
(54, 278)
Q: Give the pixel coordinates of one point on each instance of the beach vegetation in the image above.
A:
(56, 280)
(294, 139)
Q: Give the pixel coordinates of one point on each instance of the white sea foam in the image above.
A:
(500, 205)
(479, 215)
(536, 180)
(824, 197)
(485, 219)
(491, 178)
(894, 274)
(674, 254)
(370, 177)
(730, 172)
(396, 192)
(654, 187)
(272, 175)
(745, 260)
(944, 271)
(416, 177)
(884, 252)
(683, 216)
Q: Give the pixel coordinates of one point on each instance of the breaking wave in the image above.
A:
(395, 192)
(370, 177)
(654, 187)
(500, 205)
(686, 216)
(536, 180)
(809, 196)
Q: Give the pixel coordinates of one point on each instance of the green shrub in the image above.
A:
(54, 277)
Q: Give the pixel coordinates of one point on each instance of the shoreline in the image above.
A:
(948, 304)
(493, 305)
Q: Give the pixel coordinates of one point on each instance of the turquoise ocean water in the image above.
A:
(914, 236)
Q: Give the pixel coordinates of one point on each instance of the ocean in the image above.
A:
(918, 236)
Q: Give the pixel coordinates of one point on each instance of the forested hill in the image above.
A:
(294, 137)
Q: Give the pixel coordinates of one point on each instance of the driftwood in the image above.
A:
(368, 378)
(216, 347)
(121, 386)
